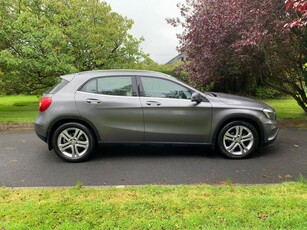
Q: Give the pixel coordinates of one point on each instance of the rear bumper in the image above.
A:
(41, 127)
(41, 137)
(38, 131)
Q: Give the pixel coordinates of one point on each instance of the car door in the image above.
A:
(169, 113)
(114, 108)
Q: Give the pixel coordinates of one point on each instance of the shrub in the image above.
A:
(266, 93)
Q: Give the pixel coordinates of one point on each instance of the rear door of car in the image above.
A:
(112, 105)
(169, 113)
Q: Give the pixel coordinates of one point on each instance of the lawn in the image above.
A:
(282, 206)
(18, 108)
(23, 108)
(287, 108)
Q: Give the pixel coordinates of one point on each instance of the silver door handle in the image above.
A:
(156, 103)
(93, 101)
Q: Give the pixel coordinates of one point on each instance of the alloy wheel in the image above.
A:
(238, 140)
(73, 142)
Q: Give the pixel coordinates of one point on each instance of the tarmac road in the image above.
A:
(26, 162)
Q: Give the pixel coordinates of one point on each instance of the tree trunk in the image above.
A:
(301, 102)
(298, 95)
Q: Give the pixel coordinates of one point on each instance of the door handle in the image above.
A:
(150, 103)
(93, 101)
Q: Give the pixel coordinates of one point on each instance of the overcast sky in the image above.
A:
(149, 22)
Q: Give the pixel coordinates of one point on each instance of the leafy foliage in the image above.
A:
(222, 34)
(42, 39)
(242, 43)
(299, 7)
(266, 93)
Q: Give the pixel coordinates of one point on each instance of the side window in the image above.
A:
(118, 86)
(154, 87)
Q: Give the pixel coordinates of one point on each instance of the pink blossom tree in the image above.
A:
(299, 8)
(243, 40)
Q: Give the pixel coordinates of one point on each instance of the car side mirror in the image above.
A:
(196, 97)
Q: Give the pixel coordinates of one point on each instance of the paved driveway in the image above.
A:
(26, 161)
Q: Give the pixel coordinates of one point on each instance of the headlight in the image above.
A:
(269, 114)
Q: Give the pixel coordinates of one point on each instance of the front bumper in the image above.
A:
(270, 133)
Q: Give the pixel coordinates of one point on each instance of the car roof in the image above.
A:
(115, 72)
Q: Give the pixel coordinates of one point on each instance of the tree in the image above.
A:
(42, 39)
(218, 32)
(243, 40)
(299, 8)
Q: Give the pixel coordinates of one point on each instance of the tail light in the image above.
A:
(44, 104)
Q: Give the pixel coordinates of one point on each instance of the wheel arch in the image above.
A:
(249, 120)
(58, 122)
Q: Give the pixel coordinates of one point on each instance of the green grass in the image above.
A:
(23, 108)
(287, 108)
(282, 206)
(18, 108)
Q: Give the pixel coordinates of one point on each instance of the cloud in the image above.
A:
(149, 22)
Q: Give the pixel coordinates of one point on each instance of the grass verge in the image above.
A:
(18, 108)
(287, 108)
(22, 108)
(282, 206)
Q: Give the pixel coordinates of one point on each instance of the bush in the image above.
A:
(266, 93)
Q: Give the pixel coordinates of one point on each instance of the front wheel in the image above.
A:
(73, 142)
(238, 139)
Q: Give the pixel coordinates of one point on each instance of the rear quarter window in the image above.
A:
(57, 87)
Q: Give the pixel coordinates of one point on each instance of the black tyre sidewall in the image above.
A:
(89, 134)
(226, 128)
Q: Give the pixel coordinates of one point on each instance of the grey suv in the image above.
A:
(130, 106)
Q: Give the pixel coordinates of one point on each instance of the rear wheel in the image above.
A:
(73, 142)
(238, 139)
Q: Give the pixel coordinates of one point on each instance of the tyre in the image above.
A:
(238, 139)
(73, 142)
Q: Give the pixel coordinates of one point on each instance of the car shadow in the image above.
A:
(106, 151)
(152, 150)
(271, 151)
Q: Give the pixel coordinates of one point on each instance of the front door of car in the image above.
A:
(112, 105)
(169, 113)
